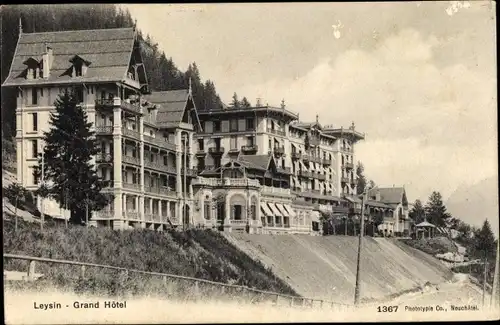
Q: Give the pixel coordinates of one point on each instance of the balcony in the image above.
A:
(344, 179)
(304, 173)
(216, 150)
(277, 132)
(104, 214)
(104, 130)
(117, 102)
(306, 158)
(326, 162)
(201, 153)
(132, 186)
(339, 209)
(279, 151)
(250, 148)
(346, 149)
(354, 182)
(160, 191)
(104, 158)
(349, 165)
(130, 133)
(296, 155)
(216, 182)
(132, 215)
(321, 177)
(131, 160)
(275, 190)
(162, 143)
(233, 151)
(191, 172)
(154, 165)
(315, 159)
(314, 141)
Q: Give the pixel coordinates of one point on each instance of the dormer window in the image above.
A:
(33, 68)
(80, 66)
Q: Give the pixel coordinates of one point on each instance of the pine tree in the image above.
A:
(417, 213)
(69, 147)
(436, 211)
(360, 187)
(484, 243)
(245, 103)
(235, 103)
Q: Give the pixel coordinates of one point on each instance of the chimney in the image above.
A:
(47, 59)
(257, 103)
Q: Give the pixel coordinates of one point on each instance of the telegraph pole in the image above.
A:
(360, 246)
(484, 278)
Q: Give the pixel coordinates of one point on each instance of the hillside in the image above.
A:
(326, 266)
(196, 253)
(473, 204)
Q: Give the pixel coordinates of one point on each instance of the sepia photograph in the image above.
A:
(249, 162)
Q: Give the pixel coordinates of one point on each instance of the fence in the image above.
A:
(200, 287)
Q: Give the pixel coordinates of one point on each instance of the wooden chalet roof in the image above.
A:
(109, 52)
(389, 195)
(172, 106)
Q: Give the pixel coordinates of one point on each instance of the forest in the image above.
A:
(162, 72)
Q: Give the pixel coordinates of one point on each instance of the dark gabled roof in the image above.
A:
(389, 195)
(172, 106)
(378, 204)
(109, 50)
(256, 161)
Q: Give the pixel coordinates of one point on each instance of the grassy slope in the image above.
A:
(197, 253)
(326, 266)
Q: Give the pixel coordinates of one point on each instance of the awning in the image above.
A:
(282, 209)
(314, 216)
(275, 210)
(266, 209)
(290, 210)
(353, 199)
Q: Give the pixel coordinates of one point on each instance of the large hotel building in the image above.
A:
(257, 169)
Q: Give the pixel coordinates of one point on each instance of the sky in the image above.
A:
(418, 78)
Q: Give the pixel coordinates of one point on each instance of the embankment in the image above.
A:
(325, 267)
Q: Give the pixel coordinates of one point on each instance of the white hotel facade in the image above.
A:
(170, 164)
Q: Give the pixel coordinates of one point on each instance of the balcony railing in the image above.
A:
(275, 190)
(105, 214)
(132, 215)
(100, 157)
(314, 141)
(226, 182)
(131, 160)
(132, 186)
(115, 102)
(162, 143)
(193, 172)
(304, 173)
(216, 150)
(326, 161)
(349, 165)
(250, 148)
(201, 153)
(130, 133)
(160, 190)
(156, 165)
(344, 179)
(279, 150)
(320, 177)
(354, 181)
(296, 155)
(345, 149)
(315, 159)
(278, 132)
(104, 130)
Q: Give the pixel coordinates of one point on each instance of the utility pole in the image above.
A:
(494, 290)
(484, 278)
(360, 246)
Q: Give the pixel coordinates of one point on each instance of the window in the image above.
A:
(216, 126)
(41, 92)
(78, 69)
(35, 121)
(103, 148)
(201, 145)
(250, 124)
(253, 211)
(233, 125)
(206, 209)
(34, 96)
(250, 141)
(234, 142)
(217, 162)
(201, 163)
(35, 178)
(34, 148)
(79, 94)
(165, 160)
(237, 211)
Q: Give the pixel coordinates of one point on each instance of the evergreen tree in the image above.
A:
(417, 213)
(235, 102)
(69, 147)
(245, 103)
(436, 211)
(360, 187)
(484, 243)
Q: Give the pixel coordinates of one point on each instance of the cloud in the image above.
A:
(437, 119)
